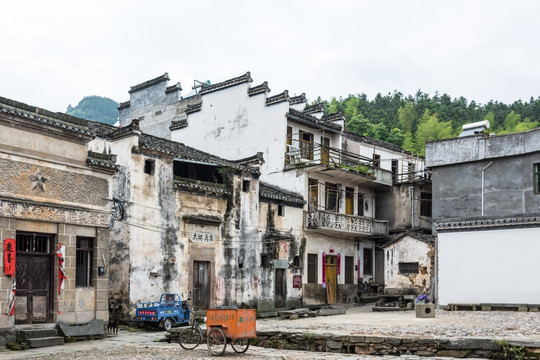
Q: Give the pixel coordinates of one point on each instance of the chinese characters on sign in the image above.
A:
(9, 257)
(297, 281)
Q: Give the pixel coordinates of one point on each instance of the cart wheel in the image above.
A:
(240, 345)
(217, 342)
(189, 338)
(167, 324)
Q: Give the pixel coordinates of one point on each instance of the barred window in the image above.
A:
(85, 252)
(407, 268)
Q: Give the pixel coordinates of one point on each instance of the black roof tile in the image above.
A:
(149, 83)
(284, 96)
(205, 89)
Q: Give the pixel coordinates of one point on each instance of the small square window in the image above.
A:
(149, 166)
(245, 185)
(296, 261)
(281, 210)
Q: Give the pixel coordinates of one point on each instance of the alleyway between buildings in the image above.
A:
(521, 327)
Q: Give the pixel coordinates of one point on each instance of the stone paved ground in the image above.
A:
(509, 325)
(149, 345)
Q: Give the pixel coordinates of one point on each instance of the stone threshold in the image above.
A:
(395, 346)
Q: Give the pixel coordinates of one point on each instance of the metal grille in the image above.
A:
(408, 268)
(34, 243)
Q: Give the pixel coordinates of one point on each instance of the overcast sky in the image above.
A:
(53, 53)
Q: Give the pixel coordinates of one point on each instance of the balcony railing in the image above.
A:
(359, 225)
(302, 152)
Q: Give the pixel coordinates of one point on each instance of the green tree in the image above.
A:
(95, 108)
(406, 116)
(358, 125)
(396, 137)
(429, 129)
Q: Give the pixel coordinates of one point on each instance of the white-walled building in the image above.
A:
(341, 176)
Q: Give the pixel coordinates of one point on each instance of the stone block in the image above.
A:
(95, 327)
(451, 353)
(425, 311)
(374, 339)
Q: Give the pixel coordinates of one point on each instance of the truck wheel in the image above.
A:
(167, 324)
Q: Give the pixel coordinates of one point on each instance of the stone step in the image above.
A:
(37, 333)
(45, 341)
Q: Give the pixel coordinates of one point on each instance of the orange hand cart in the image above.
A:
(236, 326)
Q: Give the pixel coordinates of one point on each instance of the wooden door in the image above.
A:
(349, 201)
(325, 150)
(201, 284)
(280, 288)
(331, 279)
(34, 276)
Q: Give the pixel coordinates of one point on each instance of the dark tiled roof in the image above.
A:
(191, 108)
(518, 220)
(124, 105)
(418, 235)
(149, 83)
(284, 96)
(274, 193)
(333, 117)
(201, 186)
(259, 89)
(298, 99)
(45, 117)
(181, 151)
(173, 88)
(312, 109)
(205, 89)
(371, 141)
(104, 161)
(178, 124)
(309, 120)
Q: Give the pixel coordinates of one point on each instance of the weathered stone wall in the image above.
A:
(381, 345)
(74, 187)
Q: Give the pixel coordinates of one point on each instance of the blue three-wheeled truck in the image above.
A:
(169, 311)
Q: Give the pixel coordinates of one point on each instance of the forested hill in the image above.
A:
(411, 121)
(95, 108)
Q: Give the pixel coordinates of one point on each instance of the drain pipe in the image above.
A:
(483, 170)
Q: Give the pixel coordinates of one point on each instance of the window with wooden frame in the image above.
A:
(349, 269)
(288, 145)
(368, 262)
(281, 210)
(407, 268)
(313, 185)
(332, 197)
(312, 263)
(84, 261)
(306, 145)
(537, 178)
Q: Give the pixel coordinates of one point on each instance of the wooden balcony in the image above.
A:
(333, 223)
(334, 162)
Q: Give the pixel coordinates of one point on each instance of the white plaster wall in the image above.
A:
(39, 143)
(318, 243)
(491, 266)
(408, 249)
(233, 125)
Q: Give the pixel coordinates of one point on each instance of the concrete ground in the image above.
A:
(522, 326)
